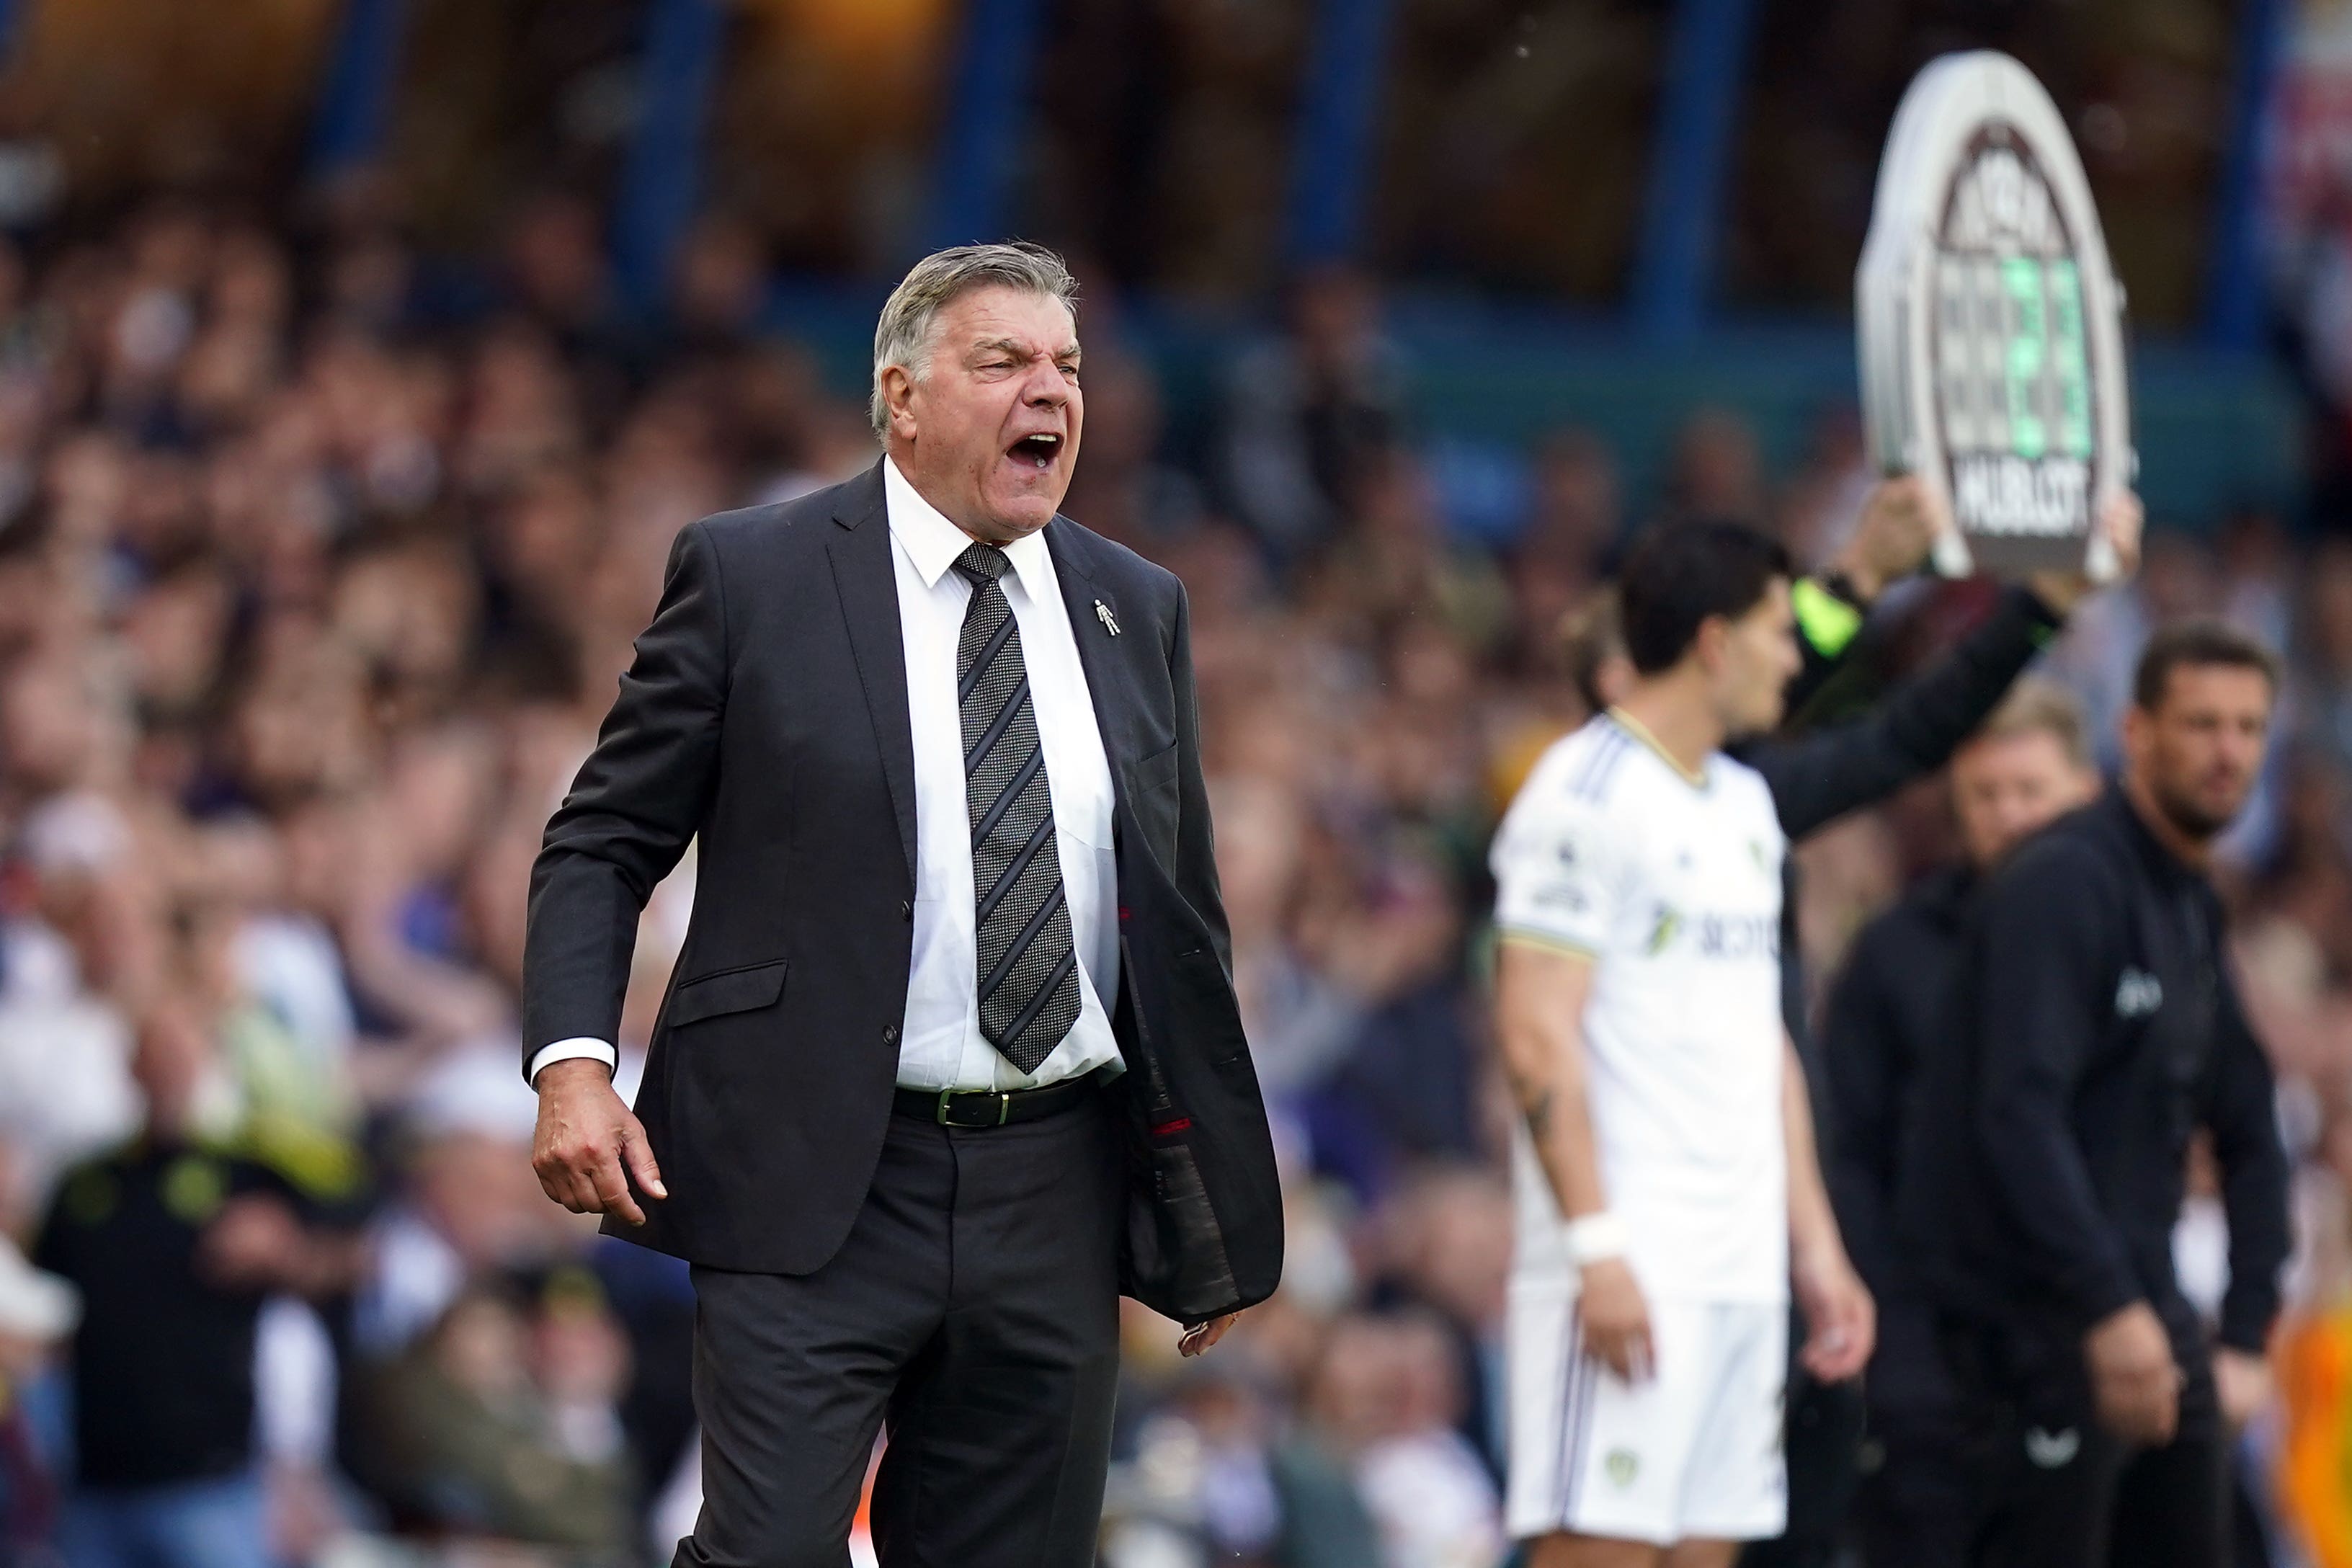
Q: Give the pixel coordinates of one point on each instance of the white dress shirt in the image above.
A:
(939, 1043)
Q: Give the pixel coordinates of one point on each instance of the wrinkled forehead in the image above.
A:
(994, 316)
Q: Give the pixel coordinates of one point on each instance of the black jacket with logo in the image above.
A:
(2098, 1029)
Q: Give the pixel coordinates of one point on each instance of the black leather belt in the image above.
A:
(992, 1107)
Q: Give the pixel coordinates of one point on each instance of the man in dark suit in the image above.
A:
(951, 1056)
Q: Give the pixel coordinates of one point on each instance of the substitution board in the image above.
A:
(1991, 325)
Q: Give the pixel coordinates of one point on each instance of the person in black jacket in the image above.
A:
(2098, 1030)
(1891, 1007)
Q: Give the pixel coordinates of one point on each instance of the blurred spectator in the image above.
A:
(65, 1043)
(1217, 1478)
(37, 1313)
(499, 1425)
(175, 1242)
(1304, 412)
(1387, 1396)
(319, 553)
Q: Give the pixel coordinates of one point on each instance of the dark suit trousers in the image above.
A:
(974, 1312)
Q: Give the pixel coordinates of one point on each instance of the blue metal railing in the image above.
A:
(354, 113)
(2234, 286)
(987, 116)
(1673, 267)
(661, 179)
(1336, 141)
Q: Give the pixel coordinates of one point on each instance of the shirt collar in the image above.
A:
(933, 543)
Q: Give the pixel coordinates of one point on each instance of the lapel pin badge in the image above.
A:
(1102, 613)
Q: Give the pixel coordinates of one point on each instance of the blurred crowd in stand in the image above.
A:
(317, 565)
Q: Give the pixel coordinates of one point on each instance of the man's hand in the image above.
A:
(1615, 1319)
(2134, 1379)
(2120, 522)
(2242, 1381)
(254, 1244)
(1898, 525)
(588, 1146)
(1840, 1318)
(1201, 1336)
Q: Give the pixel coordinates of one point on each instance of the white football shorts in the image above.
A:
(1694, 1453)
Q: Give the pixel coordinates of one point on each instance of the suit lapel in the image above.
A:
(1106, 677)
(868, 587)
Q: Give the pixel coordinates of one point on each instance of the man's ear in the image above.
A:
(898, 399)
(2135, 729)
(1714, 634)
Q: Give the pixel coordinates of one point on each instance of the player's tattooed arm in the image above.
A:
(1537, 1109)
(1540, 994)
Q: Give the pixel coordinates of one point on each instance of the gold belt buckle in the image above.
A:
(1003, 1107)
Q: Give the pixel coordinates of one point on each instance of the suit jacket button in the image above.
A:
(890, 1036)
(906, 909)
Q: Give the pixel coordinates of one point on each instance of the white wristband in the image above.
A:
(1595, 1238)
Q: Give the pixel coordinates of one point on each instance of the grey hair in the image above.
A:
(903, 335)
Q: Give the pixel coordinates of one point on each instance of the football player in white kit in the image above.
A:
(1668, 1191)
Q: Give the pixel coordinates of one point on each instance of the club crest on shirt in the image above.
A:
(1623, 1464)
(2138, 994)
(1662, 927)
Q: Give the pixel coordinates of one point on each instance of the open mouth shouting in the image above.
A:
(1040, 450)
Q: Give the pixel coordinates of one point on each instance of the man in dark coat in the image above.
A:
(952, 1056)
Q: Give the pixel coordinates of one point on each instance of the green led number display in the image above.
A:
(2045, 363)
(2029, 349)
(2074, 365)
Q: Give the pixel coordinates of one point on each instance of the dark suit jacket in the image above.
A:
(766, 712)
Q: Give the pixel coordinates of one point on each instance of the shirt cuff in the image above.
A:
(2246, 1321)
(2042, 621)
(565, 1050)
(2103, 1293)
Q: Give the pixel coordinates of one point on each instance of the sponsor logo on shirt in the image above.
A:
(2138, 994)
(1715, 935)
(1739, 936)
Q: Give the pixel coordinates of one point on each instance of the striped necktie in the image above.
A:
(1028, 969)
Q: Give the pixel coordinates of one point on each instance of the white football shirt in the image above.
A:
(1671, 884)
